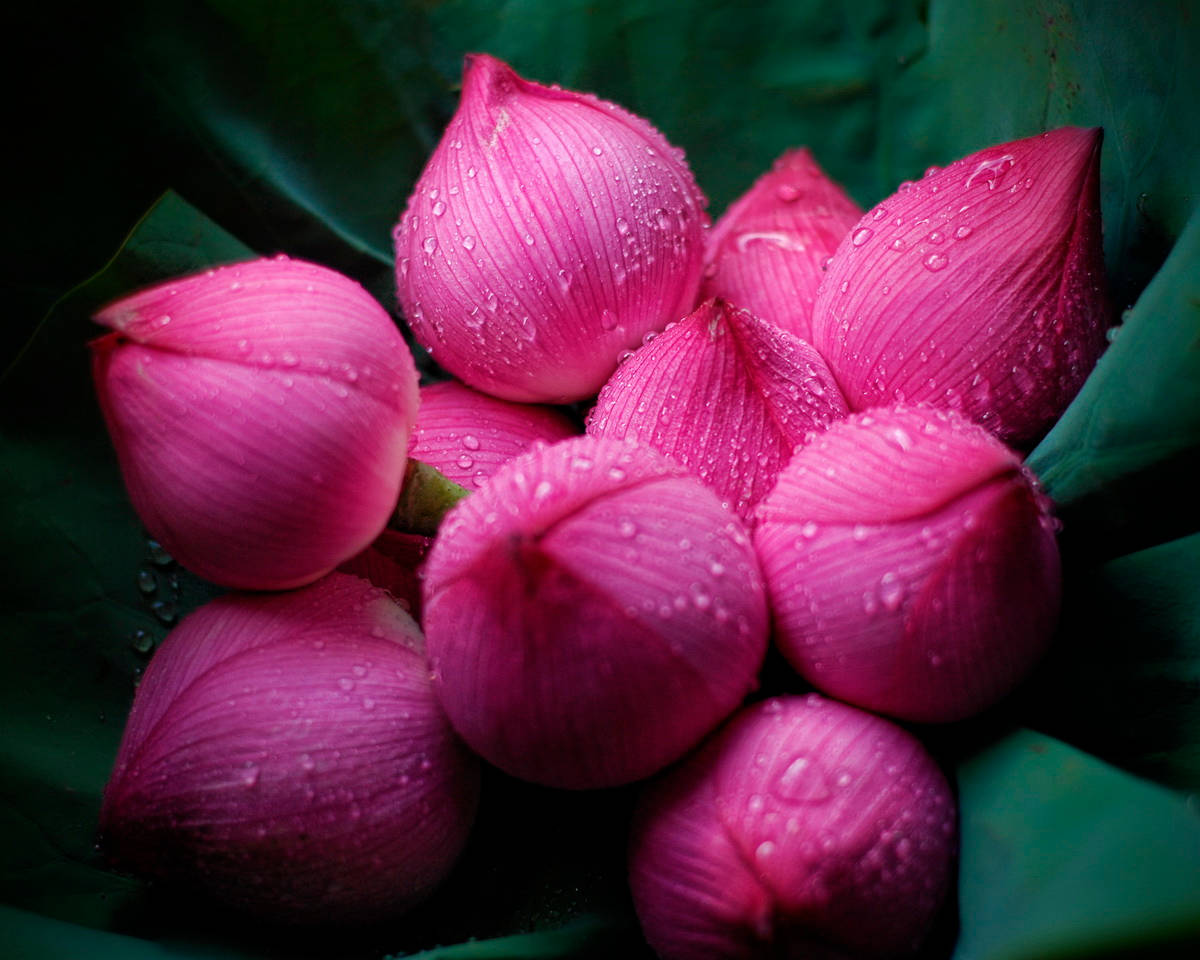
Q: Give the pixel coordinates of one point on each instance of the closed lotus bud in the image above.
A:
(724, 393)
(767, 251)
(285, 754)
(980, 288)
(549, 231)
(468, 435)
(805, 828)
(911, 564)
(591, 612)
(261, 414)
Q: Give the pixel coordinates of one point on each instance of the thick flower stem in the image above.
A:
(425, 498)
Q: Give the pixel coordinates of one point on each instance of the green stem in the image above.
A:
(425, 498)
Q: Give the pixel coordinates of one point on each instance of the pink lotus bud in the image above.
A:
(393, 562)
(725, 394)
(285, 754)
(980, 288)
(767, 252)
(592, 612)
(468, 435)
(911, 564)
(805, 828)
(549, 231)
(261, 414)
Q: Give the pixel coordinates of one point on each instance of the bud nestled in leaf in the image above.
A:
(724, 393)
(261, 415)
(468, 435)
(979, 288)
(592, 612)
(549, 231)
(767, 250)
(805, 828)
(285, 754)
(911, 564)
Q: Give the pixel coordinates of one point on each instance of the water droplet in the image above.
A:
(626, 528)
(439, 208)
(468, 243)
(429, 245)
(470, 441)
(861, 236)
(146, 581)
(935, 262)
(250, 774)
(891, 591)
(597, 151)
(803, 782)
(346, 684)
(879, 213)
(991, 171)
(158, 556)
(787, 193)
(897, 244)
(608, 320)
(141, 641)
(962, 232)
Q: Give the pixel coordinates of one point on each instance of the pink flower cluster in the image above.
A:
(806, 430)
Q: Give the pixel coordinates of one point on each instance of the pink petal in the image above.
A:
(832, 830)
(931, 609)
(591, 613)
(767, 251)
(724, 393)
(262, 429)
(549, 231)
(392, 562)
(285, 754)
(468, 435)
(980, 288)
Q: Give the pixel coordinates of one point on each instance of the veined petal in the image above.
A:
(468, 435)
(725, 394)
(768, 251)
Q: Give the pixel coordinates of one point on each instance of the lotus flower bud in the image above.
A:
(911, 564)
(261, 414)
(981, 288)
(591, 612)
(285, 754)
(767, 251)
(549, 231)
(469, 435)
(805, 828)
(725, 394)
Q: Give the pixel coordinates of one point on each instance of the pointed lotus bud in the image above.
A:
(805, 828)
(550, 231)
(468, 435)
(980, 288)
(911, 564)
(260, 413)
(592, 612)
(768, 250)
(724, 393)
(285, 754)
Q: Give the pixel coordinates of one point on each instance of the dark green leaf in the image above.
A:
(1063, 856)
(1122, 461)
(1124, 678)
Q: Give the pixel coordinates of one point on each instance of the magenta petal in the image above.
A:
(285, 754)
(768, 250)
(591, 613)
(929, 608)
(468, 435)
(393, 562)
(261, 424)
(980, 288)
(724, 393)
(804, 828)
(549, 231)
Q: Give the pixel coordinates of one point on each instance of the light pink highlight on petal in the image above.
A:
(549, 231)
(261, 414)
(767, 252)
(285, 754)
(468, 435)
(805, 827)
(979, 288)
(724, 393)
(911, 564)
(591, 612)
